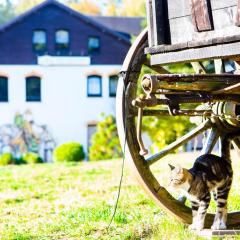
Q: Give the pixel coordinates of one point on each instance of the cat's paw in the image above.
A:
(192, 227)
(196, 227)
(219, 225)
(199, 227)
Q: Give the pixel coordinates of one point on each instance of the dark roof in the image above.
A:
(130, 25)
(84, 18)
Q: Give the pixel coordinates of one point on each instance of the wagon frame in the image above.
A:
(203, 37)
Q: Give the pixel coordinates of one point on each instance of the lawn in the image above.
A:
(75, 201)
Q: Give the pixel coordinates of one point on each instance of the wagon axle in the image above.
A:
(225, 115)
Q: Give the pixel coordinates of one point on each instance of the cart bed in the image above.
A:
(186, 30)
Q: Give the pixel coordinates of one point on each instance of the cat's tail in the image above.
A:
(226, 144)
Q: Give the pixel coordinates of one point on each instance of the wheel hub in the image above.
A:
(227, 116)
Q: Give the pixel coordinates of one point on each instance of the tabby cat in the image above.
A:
(209, 173)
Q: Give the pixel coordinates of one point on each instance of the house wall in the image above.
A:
(64, 106)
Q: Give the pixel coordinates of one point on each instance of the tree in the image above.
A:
(165, 130)
(25, 5)
(105, 142)
(133, 8)
(6, 12)
(111, 9)
(130, 8)
(86, 7)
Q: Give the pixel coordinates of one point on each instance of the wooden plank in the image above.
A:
(187, 45)
(189, 55)
(238, 14)
(158, 23)
(235, 89)
(220, 4)
(223, 14)
(150, 23)
(180, 8)
(201, 12)
(222, 27)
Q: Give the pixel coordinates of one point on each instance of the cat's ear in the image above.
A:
(179, 169)
(171, 166)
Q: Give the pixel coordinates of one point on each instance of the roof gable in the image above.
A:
(85, 19)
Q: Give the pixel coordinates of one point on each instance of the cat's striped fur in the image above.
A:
(209, 173)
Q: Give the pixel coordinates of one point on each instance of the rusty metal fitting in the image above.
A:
(145, 101)
(149, 84)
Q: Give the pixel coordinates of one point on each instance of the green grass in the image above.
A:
(76, 201)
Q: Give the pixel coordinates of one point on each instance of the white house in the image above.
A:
(62, 66)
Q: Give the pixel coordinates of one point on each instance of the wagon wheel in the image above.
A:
(126, 121)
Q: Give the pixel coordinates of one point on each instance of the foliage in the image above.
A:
(86, 7)
(6, 158)
(105, 142)
(165, 130)
(31, 157)
(6, 13)
(69, 152)
(112, 9)
(133, 8)
(130, 8)
(180, 68)
(24, 5)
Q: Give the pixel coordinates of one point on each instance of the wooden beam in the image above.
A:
(227, 51)
(201, 15)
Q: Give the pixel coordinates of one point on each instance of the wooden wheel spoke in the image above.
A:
(198, 67)
(211, 140)
(179, 142)
(219, 66)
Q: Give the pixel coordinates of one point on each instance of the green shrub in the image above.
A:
(105, 142)
(69, 152)
(31, 157)
(6, 158)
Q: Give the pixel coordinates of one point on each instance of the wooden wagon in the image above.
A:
(191, 32)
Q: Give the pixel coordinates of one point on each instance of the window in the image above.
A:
(94, 86)
(62, 40)
(3, 89)
(113, 80)
(33, 89)
(93, 44)
(92, 129)
(39, 40)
